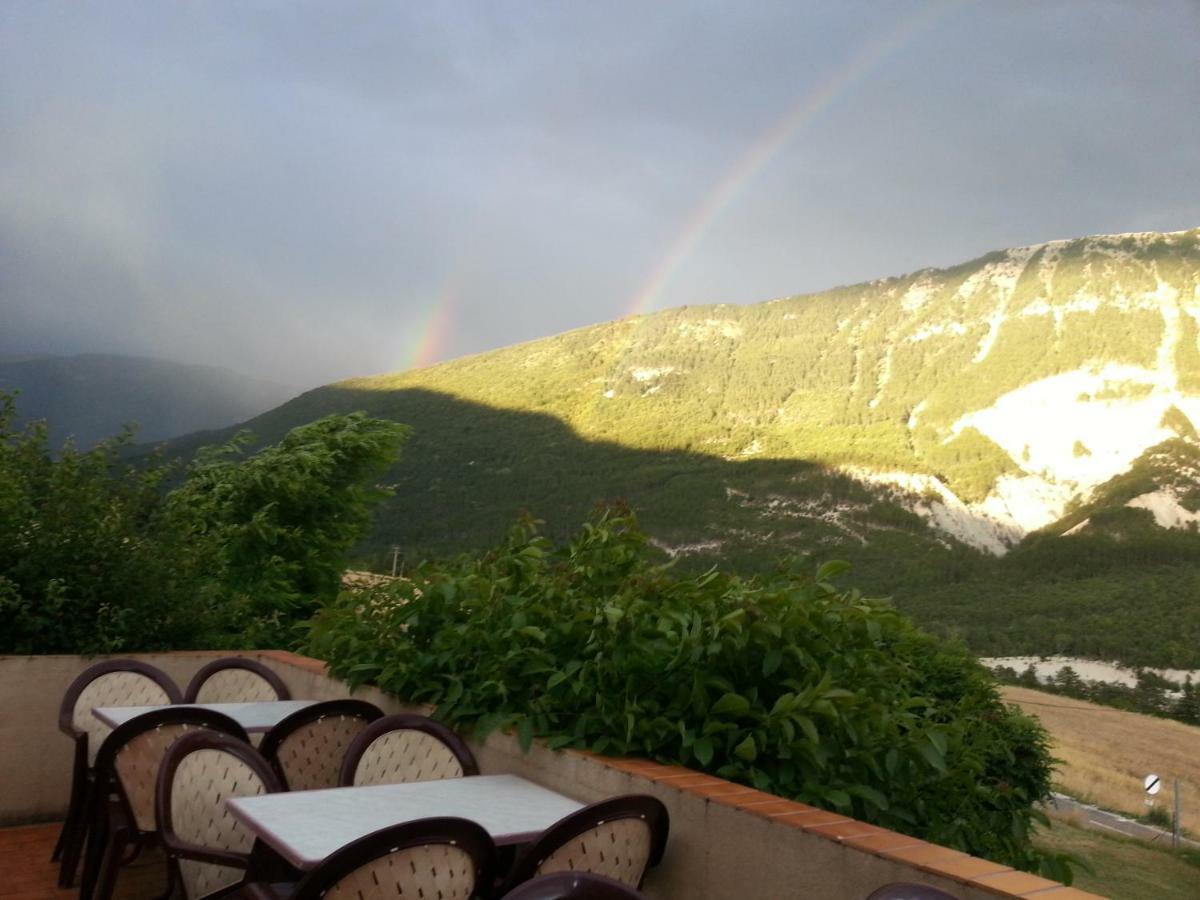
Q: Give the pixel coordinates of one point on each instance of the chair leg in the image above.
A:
(99, 837)
(75, 836)
(61, 843)
(79, 777)
(106, 877)
(70, 823)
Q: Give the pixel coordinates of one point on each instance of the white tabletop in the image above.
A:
(261, 716)
(307, 826)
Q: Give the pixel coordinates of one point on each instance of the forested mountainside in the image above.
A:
(92, 396)
(1008, 446)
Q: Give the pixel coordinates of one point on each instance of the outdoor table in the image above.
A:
(305, 827)
(254, 717)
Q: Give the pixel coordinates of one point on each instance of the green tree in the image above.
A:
(1187, 706)
(90, 559)
(1068, 682)
(285, 518)
(96, 556)
(1150, 693)
(1029, 677)
(783, 682)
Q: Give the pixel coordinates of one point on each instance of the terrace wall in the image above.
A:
(727, 840)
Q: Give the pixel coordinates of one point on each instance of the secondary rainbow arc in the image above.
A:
(740, 175)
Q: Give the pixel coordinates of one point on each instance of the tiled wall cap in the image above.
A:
(294, 659)
(1013, 883)
(886, 840)
(933, 858)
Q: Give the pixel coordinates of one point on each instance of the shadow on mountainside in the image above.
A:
(469, 470)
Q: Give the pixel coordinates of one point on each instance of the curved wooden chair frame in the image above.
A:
(573, 886)
(113, 826)
(179, 848)
(405, 722)
(462, 833)
(566, 829)
(235, 662)
(74, 831)
(277, 736)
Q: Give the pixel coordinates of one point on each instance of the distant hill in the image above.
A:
(92, 396)
(943, 430)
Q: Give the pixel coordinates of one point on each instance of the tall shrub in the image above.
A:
(97, 556)
(783, 682)
(285, 518)
(90, 560)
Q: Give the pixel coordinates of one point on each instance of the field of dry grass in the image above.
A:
(1106, 753)
(1124, 868)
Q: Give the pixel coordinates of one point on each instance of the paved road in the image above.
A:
(1091, 817)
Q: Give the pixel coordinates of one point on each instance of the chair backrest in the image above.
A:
(114, 682)
(902, 890)
(446, 858)
(130, 757)
(573, 886)
(404, 748)
(620, 838)
(306, 749)
(235, 679)
(208, 846)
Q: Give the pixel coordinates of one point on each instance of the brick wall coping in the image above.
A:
(994, 878)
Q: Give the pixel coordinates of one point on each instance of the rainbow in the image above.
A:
(869, 57)
(433, 335)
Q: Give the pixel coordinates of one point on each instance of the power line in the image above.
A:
(1100, 709)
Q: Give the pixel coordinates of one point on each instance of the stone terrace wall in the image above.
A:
(727, 840)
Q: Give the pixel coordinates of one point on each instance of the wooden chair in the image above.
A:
(405, 748)
(619, 838)
(573, 886)
(444, 857)
(208, 849)
(127, 766)
(235, 679)
(114, 682)
(306, 749)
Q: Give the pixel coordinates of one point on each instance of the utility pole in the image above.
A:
(1175, 830)
(395, 558)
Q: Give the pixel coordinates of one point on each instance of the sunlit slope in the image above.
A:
(942, 431)
(1014, 384)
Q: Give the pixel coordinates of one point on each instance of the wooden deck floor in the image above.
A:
(26, 872)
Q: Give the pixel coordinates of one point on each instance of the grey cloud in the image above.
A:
(289, 188)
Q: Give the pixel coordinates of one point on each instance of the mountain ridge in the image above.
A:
(90, 396)
(919, 426)
(1013, 482)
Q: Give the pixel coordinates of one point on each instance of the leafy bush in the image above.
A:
(782, 682)
(285, 518)
(96, 556)
(90, 559)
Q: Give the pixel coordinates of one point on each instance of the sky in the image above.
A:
(312, 191)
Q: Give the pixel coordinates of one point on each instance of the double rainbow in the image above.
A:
(433, 336)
